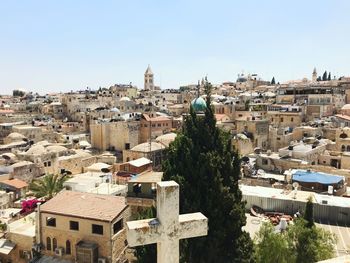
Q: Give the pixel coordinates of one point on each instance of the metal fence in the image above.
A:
(322, 212)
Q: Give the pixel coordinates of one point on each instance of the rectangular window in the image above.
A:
(291, 119)
(50, 221)
(127, 146)
(49, 163)
(73, 225)
(159, 125)
(118, 226)
(97, 229)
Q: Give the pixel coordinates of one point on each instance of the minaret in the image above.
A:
(314, 75)
(149, 83)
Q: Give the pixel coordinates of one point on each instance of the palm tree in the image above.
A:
(48, 186)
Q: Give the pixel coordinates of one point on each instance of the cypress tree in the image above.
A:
(329, 76)
(309, 213)
(324, 77)
(273, 82)
(202, 162)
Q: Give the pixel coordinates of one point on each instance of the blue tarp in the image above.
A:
(314, 177)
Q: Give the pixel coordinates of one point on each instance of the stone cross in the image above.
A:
(169, 227)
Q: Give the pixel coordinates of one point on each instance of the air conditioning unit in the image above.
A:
(59, 251)
(102, 260)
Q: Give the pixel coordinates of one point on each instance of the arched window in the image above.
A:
(348, 148)
(343, 148)
(68, 247)
(54, 244)
(48, 243)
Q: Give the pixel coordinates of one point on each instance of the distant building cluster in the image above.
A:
(110, 143)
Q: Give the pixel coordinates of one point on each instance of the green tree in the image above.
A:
(310, 244)
(302, 242)
(202, 162)
(18, 93)
(309, 213)
(329, 76)
(48, 186)
(299, 244)
(273, 81)
(148, 253)
(272, 246)
(324, 77)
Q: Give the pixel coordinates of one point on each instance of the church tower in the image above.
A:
(314, 75)
(149, 81)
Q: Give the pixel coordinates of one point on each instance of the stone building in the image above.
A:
(91, 227)
(152, 126)
(20, 238)
(285, 116)
(114, 135)
(257, 130)
(30, 132)
(153, 151)
(26, 171)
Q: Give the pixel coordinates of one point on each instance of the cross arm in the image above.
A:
(142, 232)
(193, 225)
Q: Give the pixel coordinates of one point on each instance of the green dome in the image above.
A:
(199, 104)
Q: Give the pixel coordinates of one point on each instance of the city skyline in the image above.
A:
(53, 47)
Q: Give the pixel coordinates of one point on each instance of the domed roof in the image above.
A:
(56, 148)
(124, 99)
(199, 104)
(115, 110)
(346, 107)
(36, 150)
(15, 136)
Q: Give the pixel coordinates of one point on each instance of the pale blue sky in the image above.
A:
(65, 45)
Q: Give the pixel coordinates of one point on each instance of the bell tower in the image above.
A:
(314, 75)
(149, 80)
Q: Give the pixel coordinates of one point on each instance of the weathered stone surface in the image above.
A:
(168, 227)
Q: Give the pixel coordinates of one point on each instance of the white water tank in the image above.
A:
(330, 189)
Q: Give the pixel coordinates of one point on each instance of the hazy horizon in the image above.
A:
(60, 46)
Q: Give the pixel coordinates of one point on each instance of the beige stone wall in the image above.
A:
(110, 245)
(158, 128)
(32, 133)
(345, 161)
(285, 119)
(62, 233)
(23, 244)
(75, 164)
(27, 172)
(243, 147)
(299, 132)
(278, 140)
(114, 134)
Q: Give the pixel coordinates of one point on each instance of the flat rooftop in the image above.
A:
(24, 226)
(147, 177)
